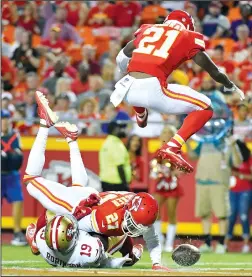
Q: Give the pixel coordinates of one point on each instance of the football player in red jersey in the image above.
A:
(116, 214)
(149, 59)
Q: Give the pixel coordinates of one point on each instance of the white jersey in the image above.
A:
(88, 251)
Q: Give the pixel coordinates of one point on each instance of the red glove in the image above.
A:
(160, 268)
(81, 212)
(92, 200)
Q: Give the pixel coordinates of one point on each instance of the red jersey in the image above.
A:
(241, 184)
(107, 218)
(161, 48)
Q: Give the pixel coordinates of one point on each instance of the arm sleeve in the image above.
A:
(122, 61)
(153, 245)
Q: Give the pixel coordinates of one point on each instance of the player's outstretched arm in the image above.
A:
(204, 61)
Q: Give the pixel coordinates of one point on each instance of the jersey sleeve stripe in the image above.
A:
(76, 185)
(94, 222)
(200, 42)
(53, 198)
(185, 98)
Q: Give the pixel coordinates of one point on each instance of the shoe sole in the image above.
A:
(49, 113)
(182, 166)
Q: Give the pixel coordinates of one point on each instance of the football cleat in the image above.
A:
(67, 130)
(142, 121)
(30, 234)
(159, 267)
(47, 116)
(173, 155)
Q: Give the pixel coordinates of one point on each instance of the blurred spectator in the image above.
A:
(67, 31)
(89, 57)
(112, 114)
(134, 147)
(152, 11)
(76, 12)
(32, 80)
(239, 50)
(25, 55)
(7, 102)
(127, 14)
(173, 5)
(97, 91)
(9, 13)
(63, 85)
(100, 15)
(154, 127)
(30, 107)
(167, 191)
(88, 110)
(195, 74)
(62, 107)
(227, 66)
(244, 71)
(114, 160)
(240, 196)
(192, 10)
(60, 69)
(212, 182)
(54, 43)
(28, 20)
(215, 25)
(81, 83)
(246, 12)
(242, 125)
(8, 73)
(11, 162)
(178, 77)
(20, 85)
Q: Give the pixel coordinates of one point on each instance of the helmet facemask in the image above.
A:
(130, 227)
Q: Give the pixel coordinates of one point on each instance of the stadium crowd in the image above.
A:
(68, 49)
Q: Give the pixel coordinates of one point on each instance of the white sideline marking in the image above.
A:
(22, 262)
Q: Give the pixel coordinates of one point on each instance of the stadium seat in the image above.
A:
(227, 43)
(9, 33)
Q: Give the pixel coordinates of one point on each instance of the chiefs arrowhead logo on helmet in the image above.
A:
(183, 17)
(141, 212)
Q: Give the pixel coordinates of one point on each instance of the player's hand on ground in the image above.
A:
(136, 255)
(119, 262)
(160, 267)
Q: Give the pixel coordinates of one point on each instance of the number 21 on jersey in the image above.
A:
(152, 35)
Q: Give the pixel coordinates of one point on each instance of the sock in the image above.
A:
(191, 125)
(208, 239)
(170, 235)
(176, 141)
(79, 174)
(157, 226)
(36, 158)
(221, 239)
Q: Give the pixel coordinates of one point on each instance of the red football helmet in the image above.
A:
(141, 212)
(183, 17)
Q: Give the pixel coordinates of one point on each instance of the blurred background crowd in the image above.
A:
(68, 49)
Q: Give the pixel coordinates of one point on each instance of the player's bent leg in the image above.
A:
(184, 100)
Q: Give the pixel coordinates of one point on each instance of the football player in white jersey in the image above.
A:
(62, 244)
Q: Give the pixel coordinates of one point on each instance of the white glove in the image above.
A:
(117, 262)
(236, 90)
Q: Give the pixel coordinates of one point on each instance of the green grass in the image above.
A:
(23, 258)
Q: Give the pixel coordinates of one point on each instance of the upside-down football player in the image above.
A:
(113, 214)
(148, 60)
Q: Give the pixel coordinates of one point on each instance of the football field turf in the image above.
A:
(20, 261)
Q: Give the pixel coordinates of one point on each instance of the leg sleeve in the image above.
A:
(36, 158)
(153, 245)
(79, 174)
